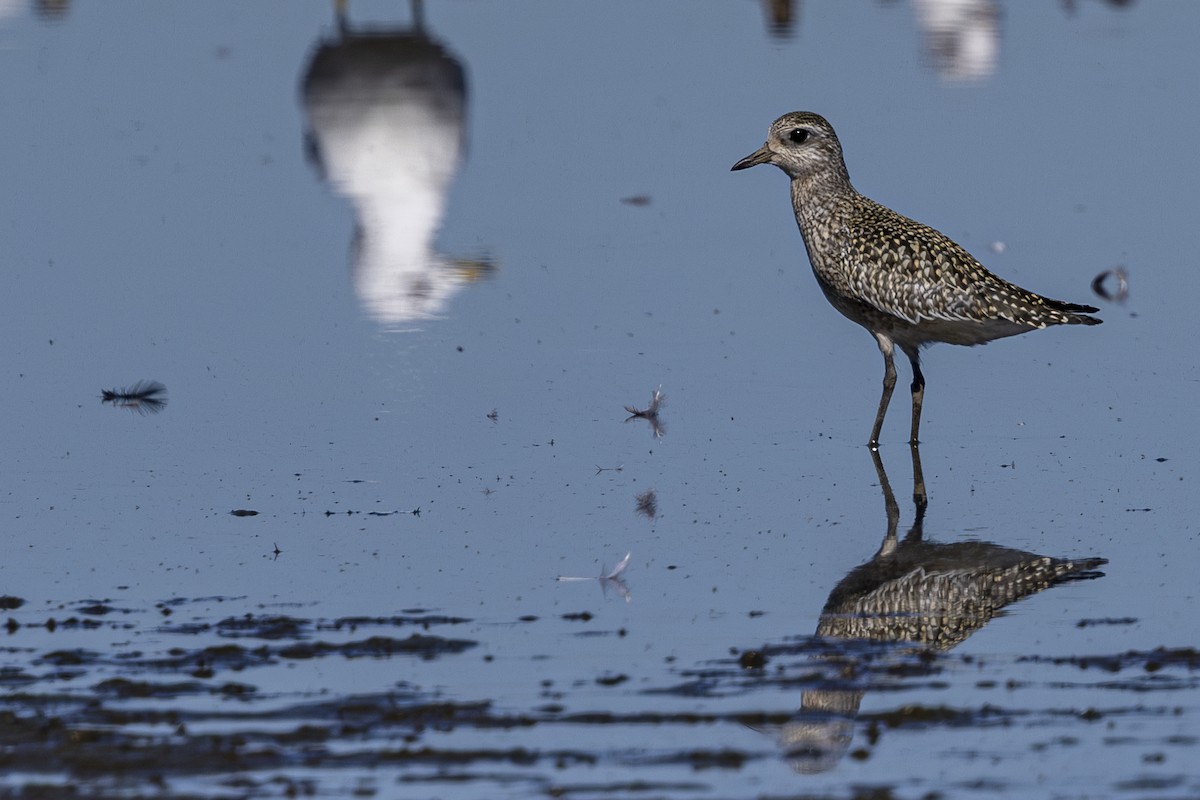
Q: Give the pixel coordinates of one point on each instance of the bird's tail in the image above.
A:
(1079, 569)
(1076, 312)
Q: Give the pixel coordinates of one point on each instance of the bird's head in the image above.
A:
(802, 144)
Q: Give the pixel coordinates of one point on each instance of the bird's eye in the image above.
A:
(798, 135)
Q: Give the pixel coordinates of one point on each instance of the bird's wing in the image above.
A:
(917, 273)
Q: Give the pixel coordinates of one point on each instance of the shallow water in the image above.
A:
(401, 280)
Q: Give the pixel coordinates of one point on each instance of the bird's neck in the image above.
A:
(819, 198)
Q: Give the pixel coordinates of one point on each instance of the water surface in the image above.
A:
(401, 276)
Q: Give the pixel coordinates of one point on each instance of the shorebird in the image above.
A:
(906, 283)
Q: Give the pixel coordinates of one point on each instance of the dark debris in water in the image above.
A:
(416, 512)
(1091, 623)
(143, 397)
(272, 627)
(97, 609)
(612, 680)
(752, 659)
(263, 627)
(727, 758)
(650, 413)
(1151, 661)
(53, 624)
(380, 647)
(647, 504)
(196, 703)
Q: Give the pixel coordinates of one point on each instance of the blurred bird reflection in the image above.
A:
(962, 37)
(386, 116)
(781, 17)
(927, 595)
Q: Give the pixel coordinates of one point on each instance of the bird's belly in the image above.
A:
(924, 332)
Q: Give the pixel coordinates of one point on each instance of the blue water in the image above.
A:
(338, 292)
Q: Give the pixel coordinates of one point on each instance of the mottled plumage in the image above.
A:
(939, 594)
(906, 283)
(932, 595)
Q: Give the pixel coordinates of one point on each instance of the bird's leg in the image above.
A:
(889, 504)
(918, 391)
(889, 383)
(920, 498)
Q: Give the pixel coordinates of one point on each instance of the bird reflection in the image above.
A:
(962, 37)
(1070, 5)
(386, 116)
(781, 17)
(52, 10)
(931, 595)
